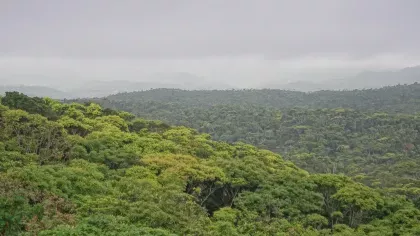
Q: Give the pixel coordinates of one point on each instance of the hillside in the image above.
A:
(376, 148)
(72, 169)
(373, 143)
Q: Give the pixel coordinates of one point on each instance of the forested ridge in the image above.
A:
(392, 99)
(80, 169)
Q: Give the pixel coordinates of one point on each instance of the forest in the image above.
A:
(83, 169)
(370, 135)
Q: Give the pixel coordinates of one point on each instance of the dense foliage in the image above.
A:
(84, 170)
(375, 147)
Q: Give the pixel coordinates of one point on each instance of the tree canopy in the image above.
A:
(80, 169)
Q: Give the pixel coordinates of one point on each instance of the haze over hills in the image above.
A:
(362, 80)
(35, 91)
(179, 80)
(104, 88)
(101, 88)
(188, 81)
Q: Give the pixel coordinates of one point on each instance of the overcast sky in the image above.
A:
(223, 40)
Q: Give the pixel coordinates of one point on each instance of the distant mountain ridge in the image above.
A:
(363, 80)
(187, 81)
(97, 88)
(183, 81)
(35, 91)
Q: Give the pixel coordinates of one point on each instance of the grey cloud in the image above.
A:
(61, 43)
(241, 71)
(190, 29)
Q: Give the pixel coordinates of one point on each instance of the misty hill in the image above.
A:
(188, 81)
(169, 80)
(36, 91)
(105, 88)
(98, 88)
(363, 80)
(376, 79)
